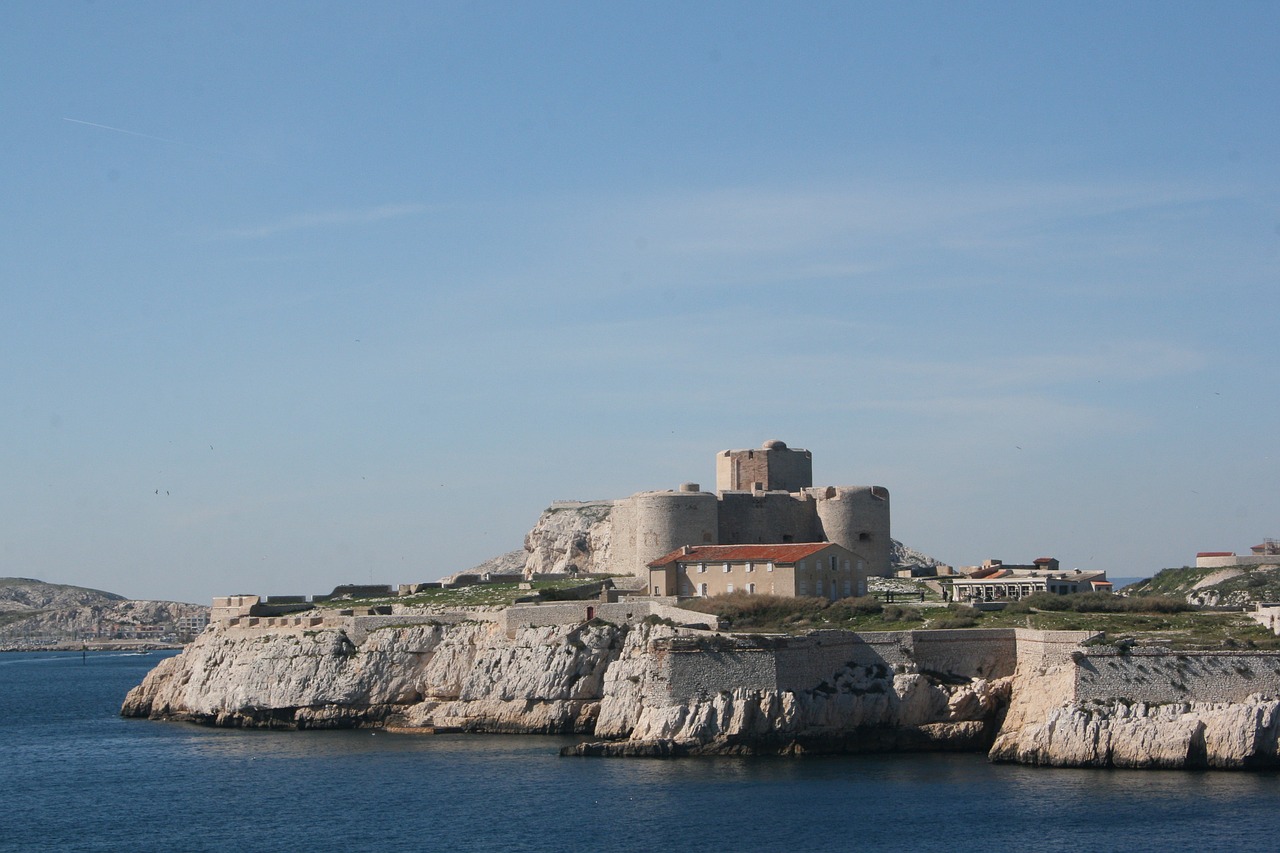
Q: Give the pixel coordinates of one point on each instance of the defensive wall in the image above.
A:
(702, 666)
(627, 611)
(1160, 676)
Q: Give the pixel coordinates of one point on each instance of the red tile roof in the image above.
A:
(788, 553)
(1216, 554)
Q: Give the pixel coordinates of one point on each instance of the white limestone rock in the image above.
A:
(570, 537)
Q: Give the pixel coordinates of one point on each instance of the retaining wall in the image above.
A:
(1156, 676)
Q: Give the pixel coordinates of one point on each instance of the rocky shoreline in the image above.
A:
(652, 690)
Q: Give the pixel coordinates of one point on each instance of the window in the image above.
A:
(848, 588)
(833, 562)
(686, 589)
(729, 588)
(702, 590)
(751, 567)
(800, 566)
(819, 586)
(726, 568)
(751, 589)
(702, 567)
(769, 566)
(802, 588)
(863, 537)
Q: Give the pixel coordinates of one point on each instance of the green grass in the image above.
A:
(1179, 629)
(1170, 581)
(477, 595)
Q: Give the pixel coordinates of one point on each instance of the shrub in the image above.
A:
(958, 622)
(847, 609)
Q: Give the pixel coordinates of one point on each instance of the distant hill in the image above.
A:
(21, 594)
(36, 614)
(1238, 586)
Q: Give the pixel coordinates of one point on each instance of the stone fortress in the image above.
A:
(762, 497)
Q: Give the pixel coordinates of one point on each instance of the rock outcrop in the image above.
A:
(570, 537)
(649, 688)
(1176, 736)
(469, 676)
(596, 679)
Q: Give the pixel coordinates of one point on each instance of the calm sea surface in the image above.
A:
(75, 776)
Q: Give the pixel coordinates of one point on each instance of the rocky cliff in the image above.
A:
(1181, 735)
(595, 679)
(620, 686)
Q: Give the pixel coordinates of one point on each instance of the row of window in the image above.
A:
(751, 567)
(728, 567)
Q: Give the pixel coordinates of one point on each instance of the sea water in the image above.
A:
(76, 776)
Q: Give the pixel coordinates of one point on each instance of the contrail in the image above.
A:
(122, 130)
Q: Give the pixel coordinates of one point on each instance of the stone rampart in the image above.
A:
(1159, 676)
(629, 610)
(982, 653)
(701, 669)
(1039, 650)
(704, 666)
(360, 627)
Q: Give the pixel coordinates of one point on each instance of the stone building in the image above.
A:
(1265, 554)
(762, 497)
(996, 581)
(821, 569)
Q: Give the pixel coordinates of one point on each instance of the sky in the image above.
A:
(301, 294)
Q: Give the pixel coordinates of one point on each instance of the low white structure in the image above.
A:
(1019, 583)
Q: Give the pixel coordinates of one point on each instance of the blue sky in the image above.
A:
(298, 294)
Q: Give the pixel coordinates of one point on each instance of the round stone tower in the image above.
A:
(857, 517)
(651, 524)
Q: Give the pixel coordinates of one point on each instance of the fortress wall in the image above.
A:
(807, 662)
(766, 519)
(362, 626)
(1157, 676)
(1043, 649)
(980, 653)
(702, 672)
(619, 613)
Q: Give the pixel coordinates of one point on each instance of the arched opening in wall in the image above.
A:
(702, 590)
(751, 589)
(591, 613)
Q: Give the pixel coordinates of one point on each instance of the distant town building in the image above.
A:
(1265, 554)
(996, 581)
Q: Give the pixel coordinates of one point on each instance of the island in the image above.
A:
(787, 653)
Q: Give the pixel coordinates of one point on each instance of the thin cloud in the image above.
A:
(324, 219)
(139, 135)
